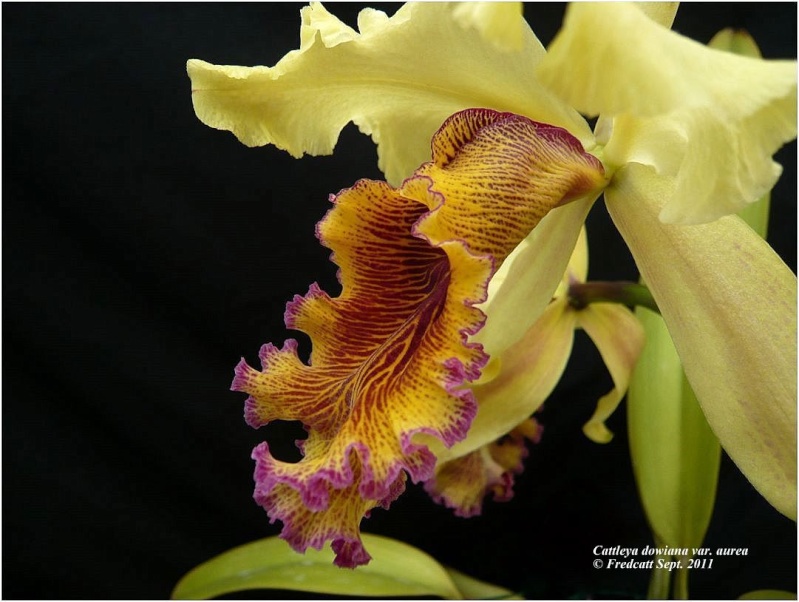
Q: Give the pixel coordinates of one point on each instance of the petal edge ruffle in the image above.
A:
(720, 121)
(374, 79)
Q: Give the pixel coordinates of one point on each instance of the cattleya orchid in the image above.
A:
(448, 266)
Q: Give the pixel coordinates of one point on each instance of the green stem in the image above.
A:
(681, 581)
(581, 294)
(659, 581)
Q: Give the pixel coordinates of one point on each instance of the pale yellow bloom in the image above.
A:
(686, 135)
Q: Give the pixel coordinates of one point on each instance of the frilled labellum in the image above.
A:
(391, 359)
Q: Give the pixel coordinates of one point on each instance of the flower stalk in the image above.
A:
(632, 294)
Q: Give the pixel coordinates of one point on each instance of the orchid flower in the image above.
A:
(446, 267)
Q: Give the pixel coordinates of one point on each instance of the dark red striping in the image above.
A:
(386, 331)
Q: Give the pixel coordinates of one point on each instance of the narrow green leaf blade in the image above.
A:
(396, 569)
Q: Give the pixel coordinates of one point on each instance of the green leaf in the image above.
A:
(396, 569)
(675, 455)
(474, 589)
(768, 594)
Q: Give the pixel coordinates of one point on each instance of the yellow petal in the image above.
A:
(578, 262)
(524, 285)
(619, 338)
(577, 270)
(464, 483)
(530, 370)
(660, 12)
(722, 116)
(721, 166)
(740, 42)
(730, 305)
(665, 72)
(501, 23)
(397, 80)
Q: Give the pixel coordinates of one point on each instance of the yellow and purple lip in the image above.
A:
(391, 357)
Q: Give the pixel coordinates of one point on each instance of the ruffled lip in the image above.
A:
(391, 357)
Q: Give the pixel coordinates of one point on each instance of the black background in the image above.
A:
(144, 253)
